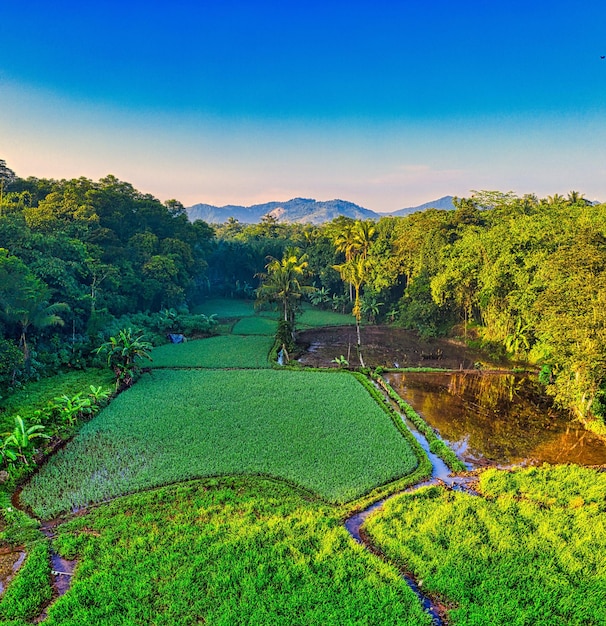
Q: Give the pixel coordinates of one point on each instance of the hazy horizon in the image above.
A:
(242, 103)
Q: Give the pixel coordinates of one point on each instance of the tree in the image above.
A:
(354, 272)
(283, 283)
(7, 176)
(124, 353)
(24, 301)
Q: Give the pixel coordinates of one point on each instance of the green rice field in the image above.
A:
(530, 553)
(319, 430)
(223, 351)
(255, 326)
(315, 318)
(225, 552)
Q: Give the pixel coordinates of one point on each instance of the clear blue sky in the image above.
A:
(386, 104)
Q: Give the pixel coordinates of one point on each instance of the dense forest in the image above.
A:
(521, 277)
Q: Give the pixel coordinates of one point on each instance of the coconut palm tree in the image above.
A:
(354, 272)
(283, 282)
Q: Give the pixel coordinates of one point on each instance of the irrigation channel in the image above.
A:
(440, 475)
(489, 419)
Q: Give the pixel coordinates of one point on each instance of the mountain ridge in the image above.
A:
(302, 210)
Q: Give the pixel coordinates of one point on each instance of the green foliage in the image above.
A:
(225, 551)
(216, 352)
(283, 283)
(183, 424)
(341, 361)
(526, 555)
(32, 400)
(124, 352)
(19, 443)
(30, 591)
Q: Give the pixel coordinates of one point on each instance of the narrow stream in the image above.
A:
(440, 475)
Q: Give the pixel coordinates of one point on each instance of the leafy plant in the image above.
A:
(70, 408)
(19, 442)
(341, 361)
(124, 353)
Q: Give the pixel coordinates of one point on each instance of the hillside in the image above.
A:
(302, 210)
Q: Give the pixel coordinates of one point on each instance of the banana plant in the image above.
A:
(20, 441)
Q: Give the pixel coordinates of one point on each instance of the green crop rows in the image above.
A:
(312, 318)
(216, 352)
(318, 430)
(530, 554)
(255, 326)
(225, 552)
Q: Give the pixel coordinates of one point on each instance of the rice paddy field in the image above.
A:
(319, 430)
(221, 487)
(223, 351)
(530, 552)
(225, 552)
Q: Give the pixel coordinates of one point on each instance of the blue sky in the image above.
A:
(386, 104)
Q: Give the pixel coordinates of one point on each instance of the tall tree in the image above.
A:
(354, 272)
(284, 282)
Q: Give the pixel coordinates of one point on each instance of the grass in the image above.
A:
(530, 553)
(36, 395)
(225, 552)
(226, 308)
(256, 326)
(30, 591)
(216, 352)
(315, 318)
(319, 430)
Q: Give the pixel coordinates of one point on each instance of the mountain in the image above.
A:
(302, 210)
(442, 203)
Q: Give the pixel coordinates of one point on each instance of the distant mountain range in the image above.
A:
(302, 210)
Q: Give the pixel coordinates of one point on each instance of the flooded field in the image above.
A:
(497, 419)
(383, 345)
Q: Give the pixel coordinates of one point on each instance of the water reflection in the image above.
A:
(497, 419)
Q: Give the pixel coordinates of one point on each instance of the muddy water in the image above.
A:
(10, 562)
(497, 419)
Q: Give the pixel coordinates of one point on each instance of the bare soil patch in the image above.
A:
(383, 346)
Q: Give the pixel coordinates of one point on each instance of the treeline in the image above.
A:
(75, 256)
(525, 278)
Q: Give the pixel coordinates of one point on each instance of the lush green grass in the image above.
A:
(320, 430)
(30, 591)
(225, 552)
(256, 326)
(534, 553)
(36, 395)
(226, 308)
(216, 352)
(311, 317)
(314, 318)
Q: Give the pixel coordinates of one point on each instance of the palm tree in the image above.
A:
(29, 307)
(363, 234)
(283, 282)
(354, 272)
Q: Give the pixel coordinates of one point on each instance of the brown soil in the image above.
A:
(383, 346)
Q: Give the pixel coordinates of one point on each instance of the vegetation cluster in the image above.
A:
(336, 442)
(529, 550)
